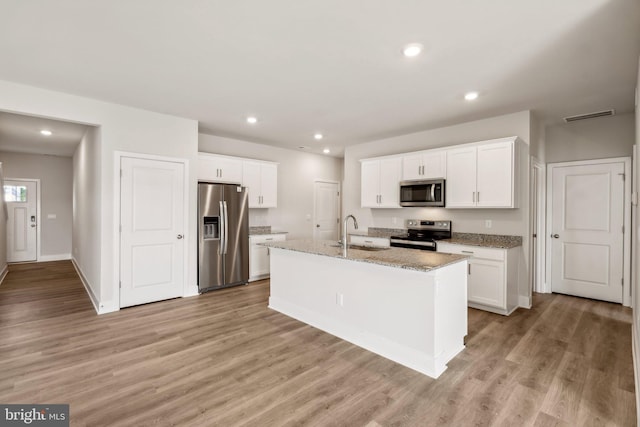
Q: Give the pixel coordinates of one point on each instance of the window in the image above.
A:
(15, 193)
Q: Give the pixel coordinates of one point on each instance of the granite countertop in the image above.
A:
(410, 259)
(380, 232)
(262, 230)
(485, 240)
(263, 233)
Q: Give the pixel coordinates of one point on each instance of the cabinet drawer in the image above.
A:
(473, 251)
(267, 238)
(369, 241)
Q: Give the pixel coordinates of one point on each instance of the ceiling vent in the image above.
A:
(604, 113)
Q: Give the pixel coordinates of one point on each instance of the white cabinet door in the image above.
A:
(424, 165)
(494, 187)
(219, 169)
(434, 164)
(390, 172)
(461, 177)
(370, 183)
(261, 179)
(269, 178)
(259, 262)
(412, 167)
(486, 283)
(251, 180)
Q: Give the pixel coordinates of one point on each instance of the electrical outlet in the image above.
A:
(340, 299)
(487, 223)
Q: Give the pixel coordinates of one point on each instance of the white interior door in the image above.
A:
(327, 214)
(22, 202)
(152, 219)
(586, 234)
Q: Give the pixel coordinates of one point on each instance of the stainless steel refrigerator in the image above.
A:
(223, 236)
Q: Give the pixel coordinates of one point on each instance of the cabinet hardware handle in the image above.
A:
(469, 269)
(270, 238)
(467, 252)
(478, 197)
(474, 197)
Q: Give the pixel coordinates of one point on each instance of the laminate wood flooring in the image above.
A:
(225, 359)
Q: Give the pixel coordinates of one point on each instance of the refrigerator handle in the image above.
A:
(223, 229)
(226, 227)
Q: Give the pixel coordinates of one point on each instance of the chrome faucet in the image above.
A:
(345, 241)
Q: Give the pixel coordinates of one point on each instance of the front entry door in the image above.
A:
(21, 197)
(587, 237)
(326, 211)
(152, 225)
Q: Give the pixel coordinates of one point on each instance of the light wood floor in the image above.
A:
(225, 359)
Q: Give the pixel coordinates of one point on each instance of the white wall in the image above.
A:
(56, 180)
(3, 226)
(121, 129)
(504, 221)
(636, 253)
(297, 171)
(590, 139)
(87, 213)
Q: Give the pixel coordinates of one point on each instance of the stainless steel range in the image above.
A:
(423, 234)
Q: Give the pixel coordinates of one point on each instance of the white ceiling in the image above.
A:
(327, 65)
(19, 133)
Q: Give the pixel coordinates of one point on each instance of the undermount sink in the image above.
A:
(362, 248)
(369, 248)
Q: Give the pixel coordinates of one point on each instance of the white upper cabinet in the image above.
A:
(460, 186)
(482, 176)
(424, 165)
(380, 182)
(261, 180)
(216, 168)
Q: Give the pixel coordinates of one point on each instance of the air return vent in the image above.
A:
(590, 115)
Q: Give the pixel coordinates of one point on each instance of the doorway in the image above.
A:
(326, 210)
(588, 241)
(22, 197)
(538, 193)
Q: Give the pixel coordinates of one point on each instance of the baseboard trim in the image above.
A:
(85, 283)
(4, 273)
(636, 369)
(56, 257)
(524, 302)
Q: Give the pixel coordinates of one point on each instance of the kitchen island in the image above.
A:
(407, 305)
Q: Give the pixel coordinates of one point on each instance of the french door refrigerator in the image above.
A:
(223, 236)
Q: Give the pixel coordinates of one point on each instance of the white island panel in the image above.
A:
(416, 318)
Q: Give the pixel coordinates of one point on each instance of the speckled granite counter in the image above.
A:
(379, 232)
(410, 259)
(262, 230)
(485, 240)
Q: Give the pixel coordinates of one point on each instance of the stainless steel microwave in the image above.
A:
(422, 193)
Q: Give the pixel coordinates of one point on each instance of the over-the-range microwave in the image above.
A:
(422, 193)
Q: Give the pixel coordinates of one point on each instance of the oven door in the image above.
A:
(422, 193)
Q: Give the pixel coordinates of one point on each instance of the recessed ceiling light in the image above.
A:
(470, 96)
(412, 49)
(46, 132)
(252, 120)
(326, 151)
(318, 136)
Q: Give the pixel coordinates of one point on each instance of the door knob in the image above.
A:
(317, 225)
(180, 236)
(33, 225)
(555, 236)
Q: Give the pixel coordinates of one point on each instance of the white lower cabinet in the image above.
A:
(492, 281)
(259, 255)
